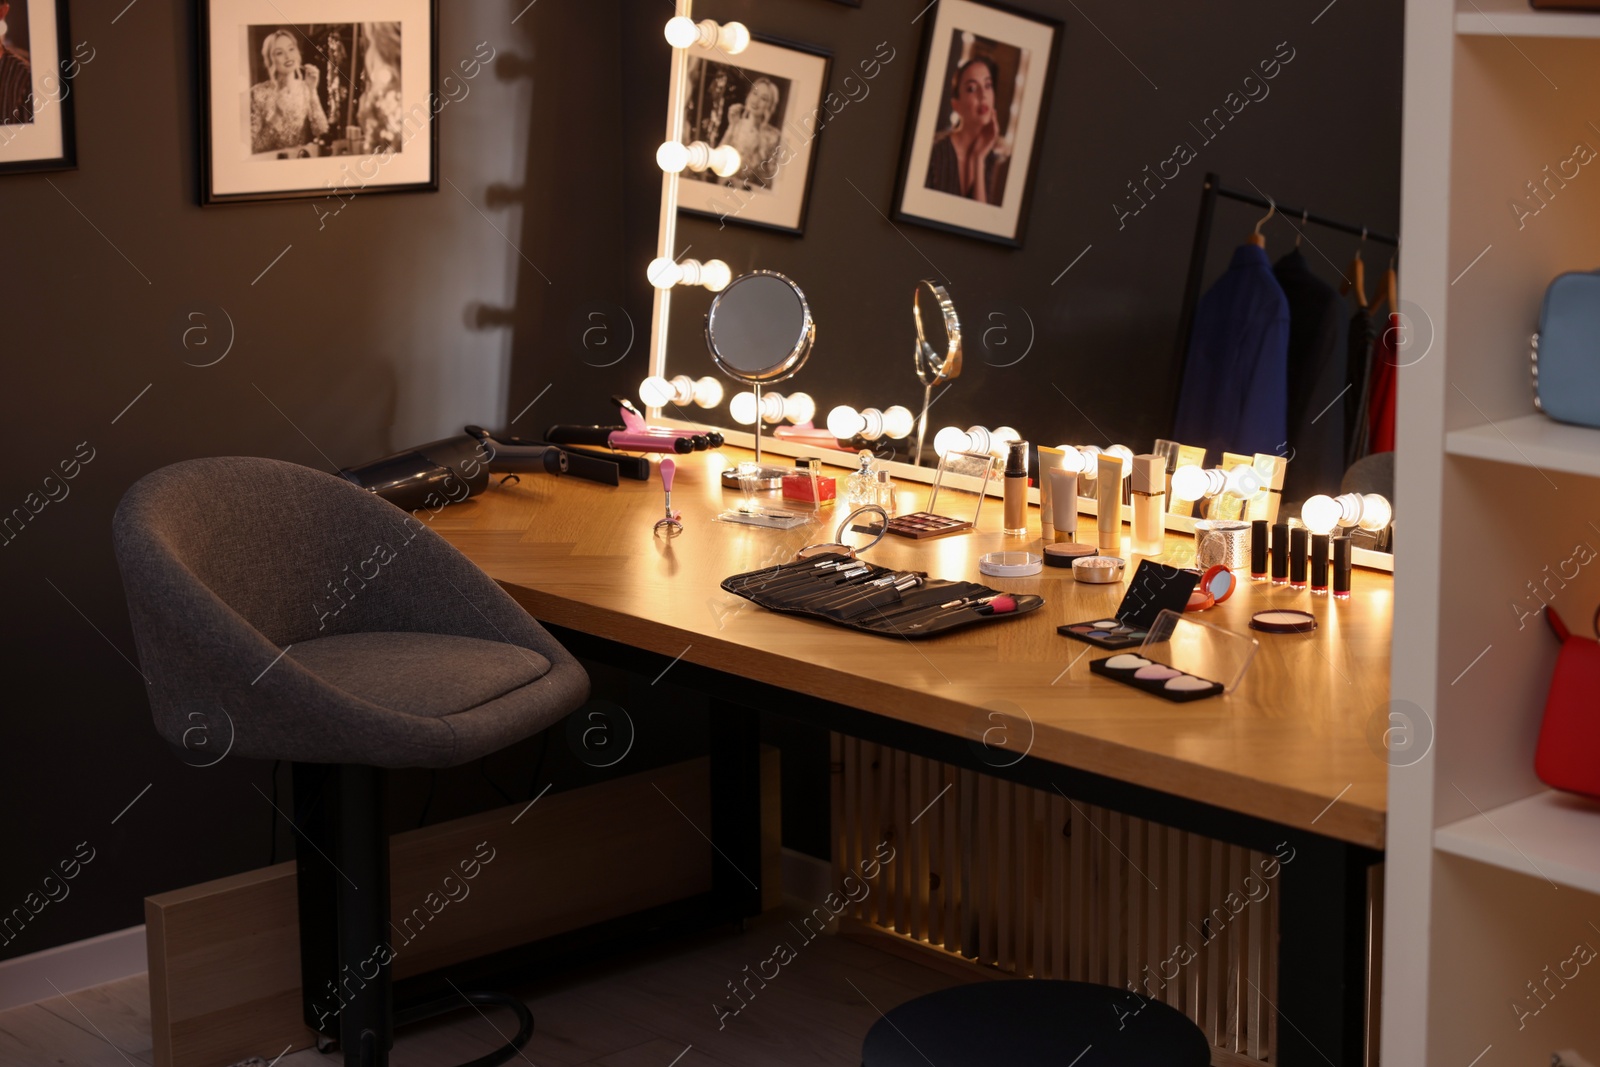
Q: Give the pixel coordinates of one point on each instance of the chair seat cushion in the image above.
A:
(1031, 1023)
(430, 675)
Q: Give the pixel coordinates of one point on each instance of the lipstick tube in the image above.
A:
(1280, 553)
(1298, 538)
(1258, 550)
(1319, 564)
(1341, 568)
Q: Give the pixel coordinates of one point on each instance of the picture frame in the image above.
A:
(788, 81)
(38, 62)
(317, 98)
(1007, 56)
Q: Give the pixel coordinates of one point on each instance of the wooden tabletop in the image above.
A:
(1290, 744)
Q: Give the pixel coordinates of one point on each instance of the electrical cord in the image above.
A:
(494, 1000)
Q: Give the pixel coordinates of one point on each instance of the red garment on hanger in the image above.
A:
(1381, 399)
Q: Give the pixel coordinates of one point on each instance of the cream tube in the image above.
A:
(1108, 492)
(1064, 504)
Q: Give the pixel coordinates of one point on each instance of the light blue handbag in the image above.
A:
(1566, 350)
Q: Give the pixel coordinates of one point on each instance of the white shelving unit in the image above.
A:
(1549, 836)
(1491, 878)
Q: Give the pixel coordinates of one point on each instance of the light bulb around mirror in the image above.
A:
(772, 407)
(664, 272)
(681, 31)
(708, 392)
(951, 439)
(1242, 481)
(743, 408)
(799, 408)
(1189, 483)
(1320, 514)
(844, 422)
(897, 422)
(672, 157)
(715, 275)
(656, 392)
(1072, 459)
(1376, 512)
(733, 37)
(725, 161)
(1124, 453)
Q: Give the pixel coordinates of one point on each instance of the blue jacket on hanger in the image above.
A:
(1235, 395)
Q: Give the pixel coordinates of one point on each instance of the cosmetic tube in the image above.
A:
(1108, 496)
(1298, 538)
(1258, 550)
(1341, 568)
(1064, 504)
(1016, 490)
(1280, 553)
(1319, 564)
(1149, 483)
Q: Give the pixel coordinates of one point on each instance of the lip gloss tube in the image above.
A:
(1298, 536)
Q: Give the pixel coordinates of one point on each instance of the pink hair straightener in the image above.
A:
(635, 435)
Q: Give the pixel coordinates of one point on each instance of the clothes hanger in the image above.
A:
(1390, 293)
(1256, 237)
(1305, 213)
(1355, 278)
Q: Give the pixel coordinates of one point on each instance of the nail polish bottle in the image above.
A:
(1341, 568)
(1280, 553)
(1108, 501)
(1298, 536)
(1149, 486)
(1016, 490)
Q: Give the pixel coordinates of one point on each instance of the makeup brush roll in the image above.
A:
(835, 588)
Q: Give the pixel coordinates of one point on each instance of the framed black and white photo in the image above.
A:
(767, 102)
(973, 139)
(37, 64)
(309, 98)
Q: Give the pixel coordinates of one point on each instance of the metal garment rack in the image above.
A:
(1209, 194)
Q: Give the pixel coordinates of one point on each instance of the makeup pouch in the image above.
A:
(1568, 756)
(1566, 364)
(932, 606)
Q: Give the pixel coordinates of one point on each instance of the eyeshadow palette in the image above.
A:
(1158, 679)
(921, 525)
(1155, 588)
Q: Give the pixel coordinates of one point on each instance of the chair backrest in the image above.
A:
(1371, 474)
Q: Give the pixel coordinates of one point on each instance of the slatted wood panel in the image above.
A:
(1041, 885)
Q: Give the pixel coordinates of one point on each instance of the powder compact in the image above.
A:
(1155, 587)
(1098, 570)
(1163, 681)
(1283, 621)
(1063, 554)
(1010, 564)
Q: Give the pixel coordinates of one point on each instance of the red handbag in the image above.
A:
(1568, 757)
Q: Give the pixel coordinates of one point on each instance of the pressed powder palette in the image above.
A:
(959, 473)
(1163, 681)
(1155, 588)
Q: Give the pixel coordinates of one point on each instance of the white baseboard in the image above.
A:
(67, 968)
(806, 878)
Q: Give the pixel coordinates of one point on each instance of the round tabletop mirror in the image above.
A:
(759, 328)
(938, 334)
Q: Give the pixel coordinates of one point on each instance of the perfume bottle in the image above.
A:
(861, 488)
(885, 487)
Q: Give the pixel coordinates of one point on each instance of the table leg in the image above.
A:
(1322, 952)
(736, 808)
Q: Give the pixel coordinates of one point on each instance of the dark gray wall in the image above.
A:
(410, 315)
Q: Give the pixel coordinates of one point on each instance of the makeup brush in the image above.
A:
(998, 604)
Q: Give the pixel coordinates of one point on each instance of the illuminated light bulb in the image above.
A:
(1320, 514)
(656, 392)
(708, 392)
(1072, 459)
(743, 408)
(1124, 453)
(951, 439)
(1242, 481)
(772, 407)
(1376, 512)
(1191, 483)
(725, 161)
(898, 422)
(979, 440)
(682, 31)
(664, 272)
(799, 407)
(715, 275)
(844, 422)
(733, 37)
(672, 157)
(871, 424)
(1001, 440)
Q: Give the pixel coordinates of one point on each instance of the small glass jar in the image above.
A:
(861, 487)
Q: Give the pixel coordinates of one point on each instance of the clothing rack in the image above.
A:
(1209, 193)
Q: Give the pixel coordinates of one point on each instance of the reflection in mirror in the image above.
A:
(938, 354)
(760, 331)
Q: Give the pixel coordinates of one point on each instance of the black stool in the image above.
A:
(1035, 1023)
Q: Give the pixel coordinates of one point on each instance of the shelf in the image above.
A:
(1531, 441)
(1551, 836)
(1499, 18)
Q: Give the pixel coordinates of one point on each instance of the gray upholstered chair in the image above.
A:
(342, 634)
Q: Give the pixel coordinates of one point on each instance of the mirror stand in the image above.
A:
(922, 424)
(753, 474)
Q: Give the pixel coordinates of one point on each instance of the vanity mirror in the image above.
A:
(759, 331)
(938, 354)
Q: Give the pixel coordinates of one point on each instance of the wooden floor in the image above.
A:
(649, 1011)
